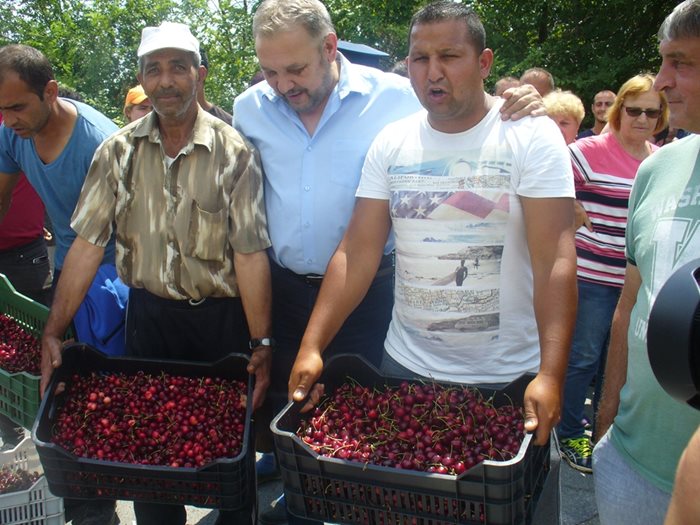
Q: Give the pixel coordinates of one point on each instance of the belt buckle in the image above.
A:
(194, 302)
(313, 279)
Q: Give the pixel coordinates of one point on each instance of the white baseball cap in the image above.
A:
(167, 35)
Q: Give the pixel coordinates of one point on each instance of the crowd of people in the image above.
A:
(325, 214)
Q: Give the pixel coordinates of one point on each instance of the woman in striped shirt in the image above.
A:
(604, 169)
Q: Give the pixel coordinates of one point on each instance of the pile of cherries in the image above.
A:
(19, 351)
(423, 427)
(16, 479)
(163, 419)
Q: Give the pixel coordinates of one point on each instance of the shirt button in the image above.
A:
(308, 148)
(307, 188)
(307, 224)
(309, 261)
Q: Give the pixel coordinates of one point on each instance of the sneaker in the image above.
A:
(578, 453)
(266, 468)
(275, 514)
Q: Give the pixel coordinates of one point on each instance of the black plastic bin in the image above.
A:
(227, 483)
(340, 491)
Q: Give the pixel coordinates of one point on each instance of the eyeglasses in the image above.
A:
(605, 103)
(635, 112)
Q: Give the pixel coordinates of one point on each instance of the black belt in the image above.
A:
(19, 252)
(386, 267)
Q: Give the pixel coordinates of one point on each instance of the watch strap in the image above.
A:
(263, 341)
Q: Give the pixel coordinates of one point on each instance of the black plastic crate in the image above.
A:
(227, 483)
(341, 491)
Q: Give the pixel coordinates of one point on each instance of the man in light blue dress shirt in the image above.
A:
(313, 121)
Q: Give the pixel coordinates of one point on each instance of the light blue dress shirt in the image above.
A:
(310, 180)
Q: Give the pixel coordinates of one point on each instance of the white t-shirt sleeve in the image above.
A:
(545, 162)
(374, 182)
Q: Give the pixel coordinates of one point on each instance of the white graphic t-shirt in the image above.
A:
(463, 298)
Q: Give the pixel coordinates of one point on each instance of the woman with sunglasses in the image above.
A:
(604, 169)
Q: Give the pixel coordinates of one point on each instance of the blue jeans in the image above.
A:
(622, 495)
(596, 305)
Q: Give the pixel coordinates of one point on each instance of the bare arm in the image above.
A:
(616, 365)
(7, 185)
(348, 277)
(550, 238)
(79, 269)
(522, 101)
(253, 277)
(684, 508)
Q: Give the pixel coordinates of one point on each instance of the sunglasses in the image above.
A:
(635, 112)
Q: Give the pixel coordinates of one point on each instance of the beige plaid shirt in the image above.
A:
(176, 227)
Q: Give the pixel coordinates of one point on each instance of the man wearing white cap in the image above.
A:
(183, 192)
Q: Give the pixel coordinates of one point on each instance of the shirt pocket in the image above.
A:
(207, 234)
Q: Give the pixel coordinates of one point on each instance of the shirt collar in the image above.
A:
(351, 80)
(203, 132)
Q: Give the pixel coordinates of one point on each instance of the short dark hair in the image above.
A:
(683, 22)
(29, 63)
(66, 92)
(538, 72)
(443, 11)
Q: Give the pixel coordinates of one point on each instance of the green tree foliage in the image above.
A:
(224, 28)
(382, 24)
(587, 45)
(92, 45)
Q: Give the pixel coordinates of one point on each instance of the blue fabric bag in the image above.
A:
(100, 319)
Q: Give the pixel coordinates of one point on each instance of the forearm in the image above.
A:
(80, 266)
(555, 299)
(7, 185)
(255, 288)
(615, 374)
(553, 256)
(349, 274)
(684, 508)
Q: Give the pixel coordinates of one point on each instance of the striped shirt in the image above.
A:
(177, 223)
(603, 177)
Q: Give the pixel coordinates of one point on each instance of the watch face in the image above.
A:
(265, 341)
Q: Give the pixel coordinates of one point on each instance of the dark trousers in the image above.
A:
(28, 269)
(166, 329)
(363, 333)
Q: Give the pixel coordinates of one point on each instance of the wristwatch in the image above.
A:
(263, 341)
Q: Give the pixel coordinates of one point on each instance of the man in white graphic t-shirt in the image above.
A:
(457, 183)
